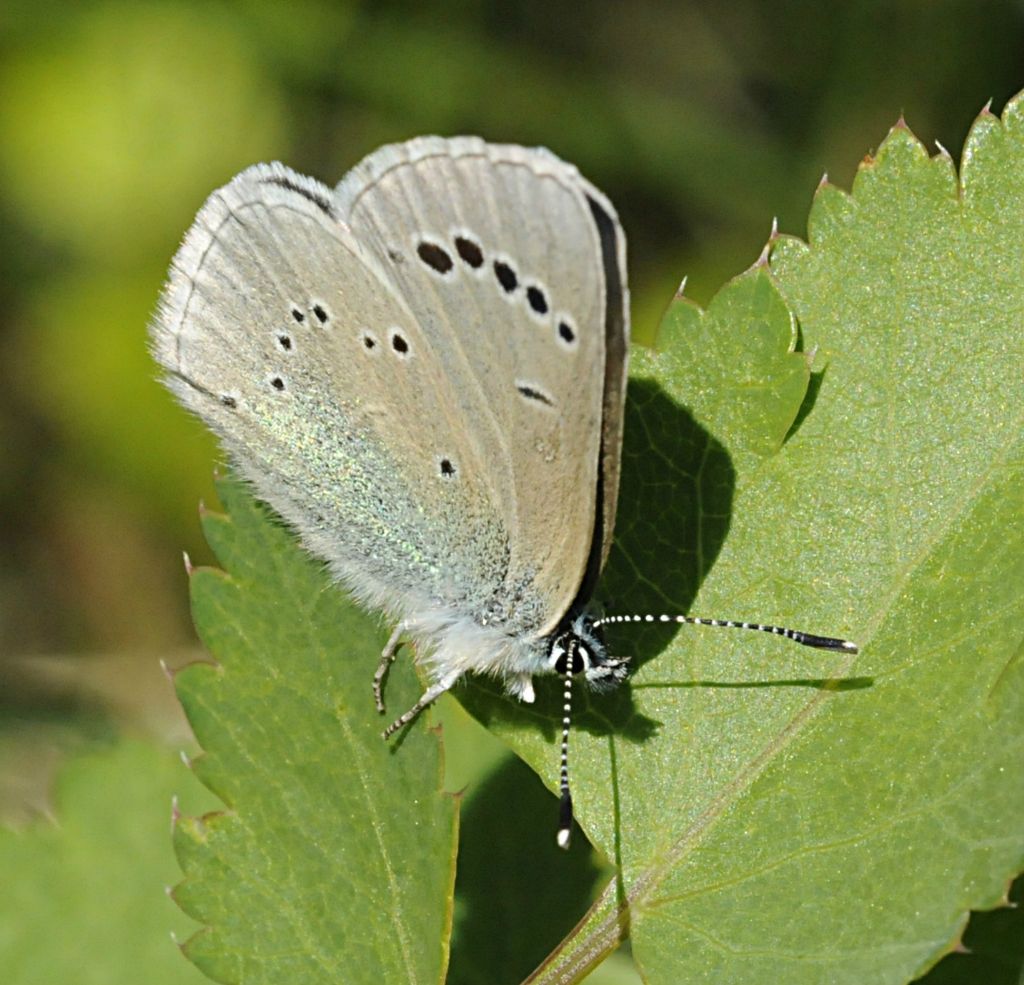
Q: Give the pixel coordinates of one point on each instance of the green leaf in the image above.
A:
(772, 813)
(84, 898)
(334, 857)
(784, 814)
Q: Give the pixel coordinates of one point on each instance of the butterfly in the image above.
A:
(423, 372)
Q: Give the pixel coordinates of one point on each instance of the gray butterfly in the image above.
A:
(423, 372)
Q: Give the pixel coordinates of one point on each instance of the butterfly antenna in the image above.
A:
(807, 639)
(565, 804)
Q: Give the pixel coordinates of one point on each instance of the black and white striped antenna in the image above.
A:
(565, 800)
(806, 639)
(578, 651)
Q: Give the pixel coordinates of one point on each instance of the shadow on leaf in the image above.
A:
(819, 683)
(675, 504)
(517, 894)
(993, 947)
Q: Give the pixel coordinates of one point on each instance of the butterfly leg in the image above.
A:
(428, 697)
(522, 688)
(387, 658)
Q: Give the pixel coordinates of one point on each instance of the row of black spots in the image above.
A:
(439, 259)
(399, 343)
(316, 308)
(505, 274)
(471, 253)
(536, 297)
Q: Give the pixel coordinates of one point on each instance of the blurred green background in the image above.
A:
(702, 122)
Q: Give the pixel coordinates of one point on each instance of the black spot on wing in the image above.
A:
(469, 251)
(537, 300)
(506, 276)
(434, 256)
(533, 393)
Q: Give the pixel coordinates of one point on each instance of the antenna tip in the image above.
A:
(851, 646)
(564, 819)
